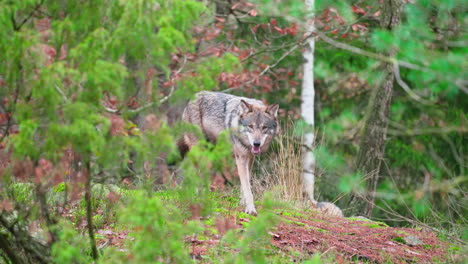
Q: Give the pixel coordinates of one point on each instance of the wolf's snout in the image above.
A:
(256, 147)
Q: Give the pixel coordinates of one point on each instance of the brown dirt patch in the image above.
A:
(358, 240)
(349, 239)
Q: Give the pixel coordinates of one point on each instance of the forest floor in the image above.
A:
(301, 234)
(348, 239)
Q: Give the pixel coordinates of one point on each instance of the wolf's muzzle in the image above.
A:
(256, 148)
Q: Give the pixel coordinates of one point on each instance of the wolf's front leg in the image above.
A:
(243, 168)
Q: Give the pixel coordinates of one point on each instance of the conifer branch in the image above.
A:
(460, 83)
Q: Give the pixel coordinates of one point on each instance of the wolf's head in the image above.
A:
(259, 124)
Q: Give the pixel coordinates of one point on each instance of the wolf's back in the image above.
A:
(214, 109)
(207, 111)
(207, 107)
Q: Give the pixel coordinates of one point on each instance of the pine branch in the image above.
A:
(460, 83)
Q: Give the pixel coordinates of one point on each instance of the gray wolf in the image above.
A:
(252, 126)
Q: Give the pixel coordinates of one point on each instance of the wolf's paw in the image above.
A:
(242, 201)
(250, 210)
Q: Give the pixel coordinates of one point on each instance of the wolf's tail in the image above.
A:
(183, 147)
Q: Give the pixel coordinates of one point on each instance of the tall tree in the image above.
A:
(307, 106)
(372, 146)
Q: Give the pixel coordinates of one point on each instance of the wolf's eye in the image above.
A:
(264, 128)
(250, 126)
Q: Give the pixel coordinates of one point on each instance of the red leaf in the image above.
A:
(220, 19)
(235, 5)
(113, 197)
(356, 9)
(273, 22)
(278, 29)
(254, 28)
(344, 35)
(376, 14)
(293, 29)
(335, 31)
(243, 55)
(49, 50)
(253, 12)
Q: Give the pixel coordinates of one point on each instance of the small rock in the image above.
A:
(413, 241)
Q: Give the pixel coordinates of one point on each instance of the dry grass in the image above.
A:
(281, 170)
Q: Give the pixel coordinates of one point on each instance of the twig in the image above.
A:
(18, 27)
(267, 68)
(420, 223)
(369, 54)
(268, 50)
(406, 88)
(458, 82)
(162, 100)
(459, 158)
(425, 131)
(439, 160)
(61, 93)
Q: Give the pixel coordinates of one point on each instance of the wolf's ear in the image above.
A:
(273, 110)
(245, 107)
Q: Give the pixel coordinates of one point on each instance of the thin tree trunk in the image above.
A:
(307, 107)
(89, 212)
(372, 147)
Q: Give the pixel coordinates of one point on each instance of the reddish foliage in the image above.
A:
(152, 123)
(117, 126)
(113, 197)
(132, 103)
(224, 224)
(6, 205)
(292, 30)
(195, 209)
(253, 12)
(356, 9)
(112, 237)
(247, 80)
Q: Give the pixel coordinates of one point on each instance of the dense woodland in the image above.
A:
(91, 97)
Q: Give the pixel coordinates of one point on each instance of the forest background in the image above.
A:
(92, 93)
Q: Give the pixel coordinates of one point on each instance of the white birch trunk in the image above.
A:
(307, 107)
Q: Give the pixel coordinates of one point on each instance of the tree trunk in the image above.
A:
(89, 212)
(372, 149)
(307, 107)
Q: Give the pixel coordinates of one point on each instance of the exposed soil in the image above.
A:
(350, 239)
(362, 240)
